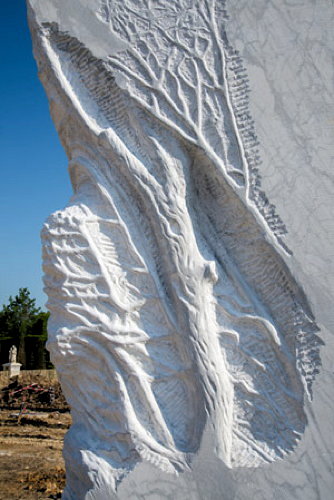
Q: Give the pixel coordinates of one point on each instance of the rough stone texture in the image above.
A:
(179, 325)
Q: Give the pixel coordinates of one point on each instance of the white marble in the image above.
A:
(179, 327)
(13, 369)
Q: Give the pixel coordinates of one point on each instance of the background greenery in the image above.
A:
(24, 325)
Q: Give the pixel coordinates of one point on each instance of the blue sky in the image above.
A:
(34, 179)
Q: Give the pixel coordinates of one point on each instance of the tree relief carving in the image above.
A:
(172, 307)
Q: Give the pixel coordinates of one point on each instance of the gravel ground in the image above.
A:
(31, 463)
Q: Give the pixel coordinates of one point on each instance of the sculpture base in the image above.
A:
(12, 368)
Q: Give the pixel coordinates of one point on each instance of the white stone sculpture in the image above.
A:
(13, 367)
(12, 354)
(172, 308)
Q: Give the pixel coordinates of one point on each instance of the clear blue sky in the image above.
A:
(34, 179)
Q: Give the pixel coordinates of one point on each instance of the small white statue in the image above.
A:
(12, 354)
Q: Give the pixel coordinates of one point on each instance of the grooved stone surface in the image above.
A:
(190, 277)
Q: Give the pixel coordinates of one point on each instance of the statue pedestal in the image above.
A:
(13, 368)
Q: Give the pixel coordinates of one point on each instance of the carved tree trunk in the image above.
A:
(172, 308)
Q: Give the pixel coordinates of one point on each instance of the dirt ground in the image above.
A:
(31, 463)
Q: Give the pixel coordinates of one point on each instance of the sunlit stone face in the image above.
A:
(182, 336)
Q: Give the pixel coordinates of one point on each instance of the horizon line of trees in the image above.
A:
(24, 325)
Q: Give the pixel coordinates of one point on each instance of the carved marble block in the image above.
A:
(179, 325)
(13, 368)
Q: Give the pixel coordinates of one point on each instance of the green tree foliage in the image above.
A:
(24, 325)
